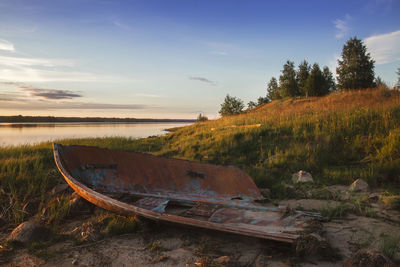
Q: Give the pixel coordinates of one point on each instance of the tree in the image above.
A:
(379, 82)
(329, 80)
(356, 69)
(231, 106)
(287, 81)
(251, 105)
(262, 100)
(273, 89)
(315, 84)
(398, 77)
(302, 75)
(201, 117)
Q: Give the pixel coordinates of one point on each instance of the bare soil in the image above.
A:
(165, 244)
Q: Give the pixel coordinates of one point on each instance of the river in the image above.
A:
(30, 133)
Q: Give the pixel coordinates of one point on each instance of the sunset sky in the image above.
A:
(174, 59)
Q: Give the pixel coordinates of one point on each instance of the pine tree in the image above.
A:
(302, 75)
(356, 69)
(315, 84)
(287, 81)
(273, 89)
(329, 80)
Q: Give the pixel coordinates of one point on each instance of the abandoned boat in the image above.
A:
(191, 193)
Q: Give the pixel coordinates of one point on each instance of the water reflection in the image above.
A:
(29, 133)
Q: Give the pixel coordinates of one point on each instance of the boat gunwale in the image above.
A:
(115, 205)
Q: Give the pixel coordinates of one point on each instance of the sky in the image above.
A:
(174, 58)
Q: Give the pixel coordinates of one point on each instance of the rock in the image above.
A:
(302, 177)
(265, 192)
(222, 259)
(359, 185)
(28, 232)
(58, 189)
(369, 257)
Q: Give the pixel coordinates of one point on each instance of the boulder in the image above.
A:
(359, 185)
(28, 232)
(302, 177)
(369, 257)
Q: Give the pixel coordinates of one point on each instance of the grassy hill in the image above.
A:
(337, 138)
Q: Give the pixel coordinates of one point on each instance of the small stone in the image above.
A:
(58, 189)
(222, 259)
(359, 185)
(302, 177)
(28, 232)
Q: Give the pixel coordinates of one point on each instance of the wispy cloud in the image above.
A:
(33, 69)
(6, 45)
(342, 26)
(44, 62)
(202, 79)
(121, 25)
(50, 94)
(384, 48)
(221, 53)
(47, 105)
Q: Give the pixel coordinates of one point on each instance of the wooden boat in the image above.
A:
(180, 191)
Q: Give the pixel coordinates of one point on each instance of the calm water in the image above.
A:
(29, 133)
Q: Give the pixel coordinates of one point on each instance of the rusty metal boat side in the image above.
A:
(99, 175)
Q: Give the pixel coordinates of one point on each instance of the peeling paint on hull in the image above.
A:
(191, 193)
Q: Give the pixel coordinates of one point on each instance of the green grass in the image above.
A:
(390, 244)
(337, 138)
(122, 225)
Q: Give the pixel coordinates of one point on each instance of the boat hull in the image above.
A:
(179, 191)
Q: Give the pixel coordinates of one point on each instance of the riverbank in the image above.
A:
(338, 139)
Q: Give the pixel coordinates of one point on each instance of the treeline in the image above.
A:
(355, 71)
(21, 118)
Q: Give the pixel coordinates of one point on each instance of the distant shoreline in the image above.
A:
(39, 119)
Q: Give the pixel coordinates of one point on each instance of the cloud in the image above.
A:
(342, 26)
(49, 93)
(220, 53)
(6, 45)
(121, 25)
(202, 79)
(384, 48)
(44, 62)
(46, 105)
(27, 74)
(28, 69)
